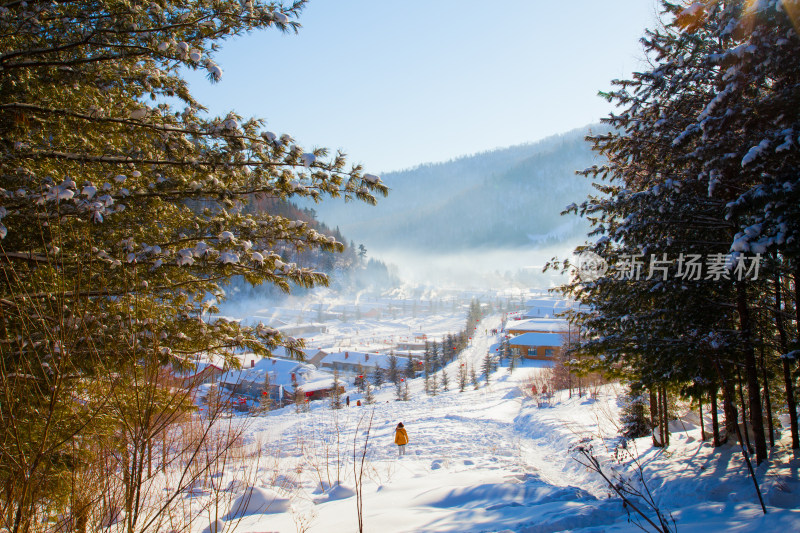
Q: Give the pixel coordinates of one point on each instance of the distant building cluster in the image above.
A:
(538, 332)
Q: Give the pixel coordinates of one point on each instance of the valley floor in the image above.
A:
(492, 459)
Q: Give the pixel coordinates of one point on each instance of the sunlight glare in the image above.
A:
(792, 8)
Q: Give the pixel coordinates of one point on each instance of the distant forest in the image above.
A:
(351, 269)
(503, 198)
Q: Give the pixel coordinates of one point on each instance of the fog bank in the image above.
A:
(478, 268)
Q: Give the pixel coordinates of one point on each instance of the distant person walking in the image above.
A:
(401, 439)
(347, 400)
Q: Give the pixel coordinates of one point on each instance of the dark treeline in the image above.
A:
(437, 356)
(702, 188)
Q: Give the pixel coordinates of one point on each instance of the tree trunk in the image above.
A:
(787, 365)
(767, 402)
(751, 374)
(702, 425)
(665, 416)
(744, 412)
(714, 419)
(655, 420)
(728, 405)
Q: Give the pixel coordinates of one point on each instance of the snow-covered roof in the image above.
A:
(537, 339)
(552, 325)
(554, 303)
(548, 307)
(280, 373)
(366, 359)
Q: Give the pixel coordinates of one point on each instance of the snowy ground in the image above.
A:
(490, 460)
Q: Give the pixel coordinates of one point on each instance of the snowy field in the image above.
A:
(491, 459)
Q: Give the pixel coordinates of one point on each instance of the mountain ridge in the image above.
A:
(508, 197)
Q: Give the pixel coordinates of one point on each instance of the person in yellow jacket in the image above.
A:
(401, 439)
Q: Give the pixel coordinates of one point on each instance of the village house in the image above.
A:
(284, 376)
(541, 346)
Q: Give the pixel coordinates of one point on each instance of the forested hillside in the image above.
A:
(348, 269)
(506, 197)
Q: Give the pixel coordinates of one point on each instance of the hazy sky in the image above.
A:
(398, 83)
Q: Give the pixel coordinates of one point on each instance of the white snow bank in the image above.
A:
(338, 492)
(217, 526)
(258, 500)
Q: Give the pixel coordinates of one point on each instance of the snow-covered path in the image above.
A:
(491, 459)
(473, 462)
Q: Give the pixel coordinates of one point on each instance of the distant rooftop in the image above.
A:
(539, 324)
(537, 339)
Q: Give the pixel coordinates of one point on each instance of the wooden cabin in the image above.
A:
(541, 346)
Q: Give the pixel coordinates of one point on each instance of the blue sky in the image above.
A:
(398, 83)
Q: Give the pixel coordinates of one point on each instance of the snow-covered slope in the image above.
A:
(493, 459)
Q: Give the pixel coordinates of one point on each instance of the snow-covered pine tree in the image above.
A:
(122, 211)
(436, 361)
(487, 366)
(410, 370)
(361, 377)
(462, 376)
(751, 154)
(445, 380)
(448, 349)
(473, 316)
(462, 341)
(336, 391)
(427, 366)
(393, 371)
(634, 417)
(701, 162)
(378, 376)
(369, 396)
